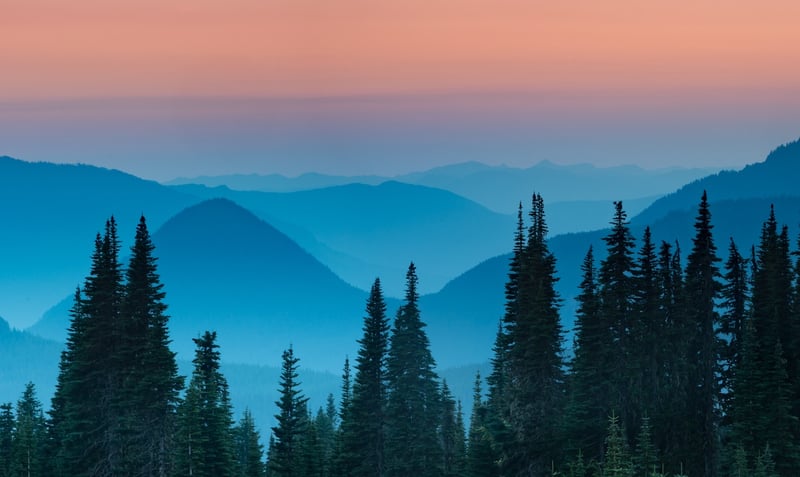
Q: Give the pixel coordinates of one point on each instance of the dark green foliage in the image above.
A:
(87, 402)
(617, 462)
(702, 290)
(731, 325)
(292, 419)
(249, 451)
(590, 372)
(480, 456)
(645, 458)
(451, 434)
(204, 437)
(413, 405)
(150, 380)
(534, 382)
(363, 428)
(616, 294)
(29, 436)
(762, 375)
(6, 438)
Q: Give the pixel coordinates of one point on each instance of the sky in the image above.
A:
(169, 88)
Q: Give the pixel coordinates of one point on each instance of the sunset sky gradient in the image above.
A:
(164, 88)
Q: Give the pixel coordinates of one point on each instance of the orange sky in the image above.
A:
(96, 48)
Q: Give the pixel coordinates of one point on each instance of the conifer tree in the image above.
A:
(616, 294)
(535, 380)
(292, 419)
(590, 377)
(86, 404)
(204, 437)
(617, 462)
(645, 459)
(29, 436)
(451, 435)
(363, 430)
(413, 405)
(6, 438)
(480, 457)
(731, 326)
(150, 380)
(702, 291)
(249, 451)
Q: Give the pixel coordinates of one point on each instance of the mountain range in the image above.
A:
(229, 267)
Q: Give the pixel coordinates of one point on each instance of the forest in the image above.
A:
(680, 366)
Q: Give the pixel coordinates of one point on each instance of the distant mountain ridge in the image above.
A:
(498, 188)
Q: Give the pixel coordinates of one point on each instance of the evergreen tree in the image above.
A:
(6, 438)
(648, 326)
(590, 379)
(292, 419)
(451, 436)
(535, 380)
(86, 402)
(204, 437)
(249, 451)
(363, 430)
(617, 462)
(702, 291)
(29, 436)
(149, 371)
(731, 326)
(645, 459)
(480, 457)
(413, 405)
(616, 294)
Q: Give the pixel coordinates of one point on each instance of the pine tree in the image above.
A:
(617, 462)
(616, 294)
(6, 438)
(204, 436)
(731, 326)
(413, 405)
(149, 371)
(590, 379)
(291, 420)
(451, 437)
(534, 382)
(648, 326)
(86, 402)
(29, 435)
(363, 430)
(480, 457)
(671, 433)
(702, 291)
(249, 451)
(645, 459)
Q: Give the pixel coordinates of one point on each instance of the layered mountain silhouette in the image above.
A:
(362, 231)
(50, 216)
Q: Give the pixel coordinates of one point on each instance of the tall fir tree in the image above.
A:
(762, 375)
(6, 438)
(249, 451)
(616, 294)
(702, 291)
(451, 435)
(29, 436)
(735, 297)
(590, 371)
(363, 430)
(480, 455)
(85, 406)
(150, 380)
(413, 405)
(292, 419)
(534, 364)
(204, 436)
